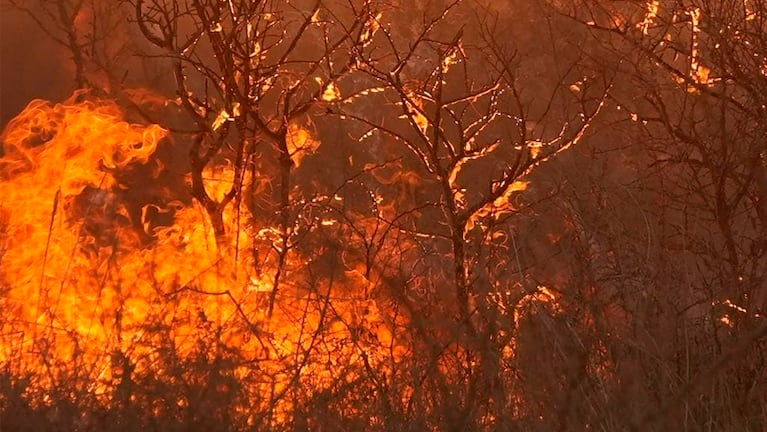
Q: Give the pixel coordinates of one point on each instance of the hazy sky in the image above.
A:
(30, 65)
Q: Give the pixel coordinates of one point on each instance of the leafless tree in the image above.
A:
(690, 79)
(248, 73)
(474, 136)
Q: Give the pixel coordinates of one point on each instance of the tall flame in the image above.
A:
(87, 275)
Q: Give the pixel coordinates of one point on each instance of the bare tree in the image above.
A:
(690, 79)
(474, 136)
(248, 73)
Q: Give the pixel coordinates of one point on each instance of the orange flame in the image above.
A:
(84, 282)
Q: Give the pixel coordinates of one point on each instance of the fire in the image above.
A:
(300, 143)
(652, 12)
(92, 274)
(59, 186)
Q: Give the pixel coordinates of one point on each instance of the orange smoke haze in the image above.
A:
(30, 62)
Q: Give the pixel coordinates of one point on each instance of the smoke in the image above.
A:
(32, 65)
(37, 63)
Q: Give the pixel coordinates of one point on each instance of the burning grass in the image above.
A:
(110, 316)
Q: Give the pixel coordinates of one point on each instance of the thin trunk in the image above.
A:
(286, 165)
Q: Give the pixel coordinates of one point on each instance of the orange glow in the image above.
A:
(84, 279)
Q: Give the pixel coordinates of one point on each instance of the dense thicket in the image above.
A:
(532, 216)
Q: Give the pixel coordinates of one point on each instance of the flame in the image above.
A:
(501, 205)
(331, 92)
(95, 276)
(751, 12)
(414, 105)
(300, 142)
(63, 222)
(91, 276)
(698, 73)
(653, 7)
